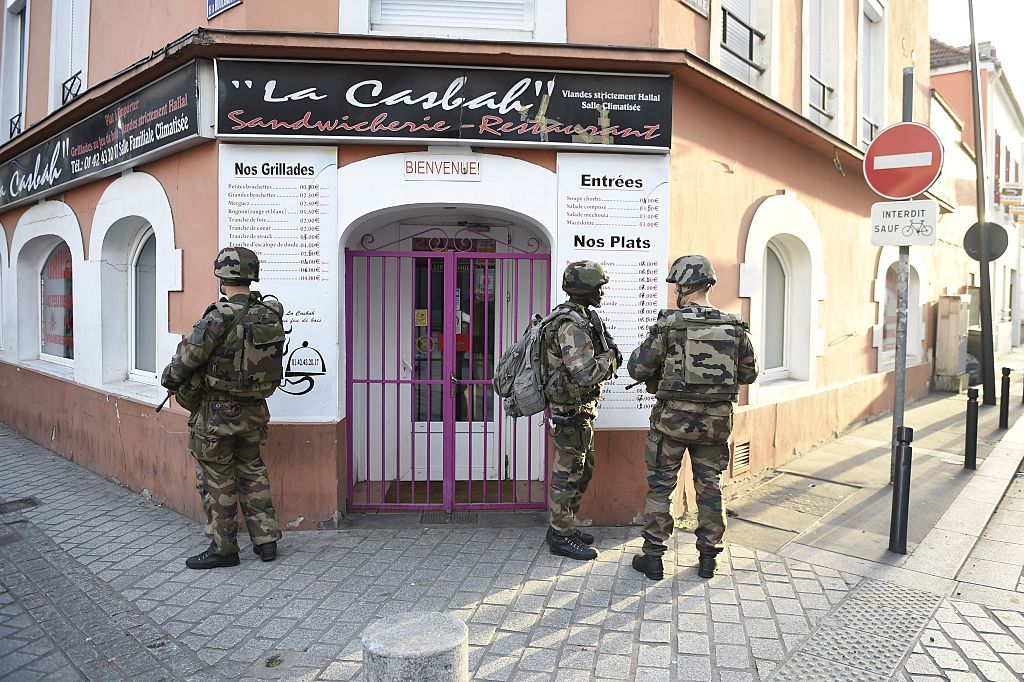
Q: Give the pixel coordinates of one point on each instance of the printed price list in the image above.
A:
(282, 220)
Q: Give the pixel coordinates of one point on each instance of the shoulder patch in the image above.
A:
(199, 331)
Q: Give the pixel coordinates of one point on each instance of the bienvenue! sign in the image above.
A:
(377, 102)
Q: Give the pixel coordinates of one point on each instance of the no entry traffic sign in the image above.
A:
(903, 161)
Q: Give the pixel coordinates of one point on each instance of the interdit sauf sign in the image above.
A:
(318, 101)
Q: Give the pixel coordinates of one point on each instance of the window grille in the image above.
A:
(740, 39)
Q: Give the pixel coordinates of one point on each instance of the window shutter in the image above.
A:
(816, 34)
(79, 48)
(738, 39)
(509, 15)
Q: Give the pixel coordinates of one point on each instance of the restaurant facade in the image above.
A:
(414, 199)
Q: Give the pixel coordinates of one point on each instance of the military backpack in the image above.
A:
(519, 375)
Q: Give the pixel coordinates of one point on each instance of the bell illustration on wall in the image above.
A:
(304, 363)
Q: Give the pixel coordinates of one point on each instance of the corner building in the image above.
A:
(414, 175)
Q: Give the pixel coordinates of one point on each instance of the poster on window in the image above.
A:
(57, 325)
(614, 210)
(281, 203)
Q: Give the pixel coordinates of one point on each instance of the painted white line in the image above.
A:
(903, 160)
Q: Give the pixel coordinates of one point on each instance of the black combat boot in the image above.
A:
(585, 538)
(651, 566)
(706, 564)
(569, 546)
(210, 559)
(267, 551)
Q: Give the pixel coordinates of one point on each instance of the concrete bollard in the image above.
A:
(418, 646)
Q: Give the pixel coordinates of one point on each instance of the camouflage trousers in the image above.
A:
(571, 470)
(664, 457)
(225, 441)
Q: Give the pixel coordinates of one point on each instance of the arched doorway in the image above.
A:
(433, 296)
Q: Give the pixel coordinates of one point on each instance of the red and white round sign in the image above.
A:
(903, 161)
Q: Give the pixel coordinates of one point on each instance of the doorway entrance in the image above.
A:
(426, 324)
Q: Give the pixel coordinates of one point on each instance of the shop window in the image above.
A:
(57, 338)
(872, 70)
(14, 66)
(142, 346)
(540, 20)
(69, 51)
(822, 37)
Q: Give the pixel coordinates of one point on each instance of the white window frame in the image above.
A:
(61, 49)
(13, 62)
(785, 219)
(783, 371)
(134, 373)
(56, 359)
(549, 17)
(871, 105)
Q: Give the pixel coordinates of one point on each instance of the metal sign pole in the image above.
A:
(988, 371)
(901, 300)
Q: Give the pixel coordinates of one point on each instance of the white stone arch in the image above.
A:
(6, 323)
(375, 191)
(40, 228)
(916, 284)
(126, 209)
(786, 220)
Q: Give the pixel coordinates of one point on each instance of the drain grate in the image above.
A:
(17, 505)
(450, 519)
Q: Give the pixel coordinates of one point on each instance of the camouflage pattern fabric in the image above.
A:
(574, 371)
(237, 265)
(229, 471)
(583, 276)
(664, 458)
(695, 353)
(573, 367)
(226, 432)
(690, 270)
(254, 371)
(695, 358)
(572, 467)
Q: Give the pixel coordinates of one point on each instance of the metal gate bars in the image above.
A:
(424, 429)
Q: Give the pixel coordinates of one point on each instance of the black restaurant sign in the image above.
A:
(151, 121)
(316, 101)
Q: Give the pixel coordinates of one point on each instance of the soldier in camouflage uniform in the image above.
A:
(694, 360)
(230, 423)
(578, 356)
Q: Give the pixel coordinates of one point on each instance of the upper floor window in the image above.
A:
(57, 337)
(872, 70)
(142, 361)
(823, 62)
(744, 53)
(535, 20)
(14, 66)
(69, 51)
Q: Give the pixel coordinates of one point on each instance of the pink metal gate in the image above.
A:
(424, 329)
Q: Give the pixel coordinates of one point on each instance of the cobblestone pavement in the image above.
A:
(970, 641)
(114, 598)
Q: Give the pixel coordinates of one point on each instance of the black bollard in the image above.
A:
(971, 441)
(901, 491)
(1004, 400)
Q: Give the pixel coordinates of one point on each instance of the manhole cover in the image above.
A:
(455, 518)
(17, 505)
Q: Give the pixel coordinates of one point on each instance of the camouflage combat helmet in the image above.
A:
(237, 265)
(582, 277)
(692, 270)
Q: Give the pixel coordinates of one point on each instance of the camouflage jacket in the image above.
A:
(695, 354)
(213, 346)
(574, 361)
